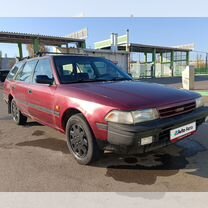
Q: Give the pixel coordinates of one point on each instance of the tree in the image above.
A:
(30, 49)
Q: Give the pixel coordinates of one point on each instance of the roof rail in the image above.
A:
(58, 53)
(40, 53)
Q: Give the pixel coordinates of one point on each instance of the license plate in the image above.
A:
(182, 131)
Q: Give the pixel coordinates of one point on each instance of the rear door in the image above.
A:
(41, 96)
(21, 85)
(9, 82)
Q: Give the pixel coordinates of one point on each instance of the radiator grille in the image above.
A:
(177, 110)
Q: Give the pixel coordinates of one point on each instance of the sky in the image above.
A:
(157, 31)
(104, 8)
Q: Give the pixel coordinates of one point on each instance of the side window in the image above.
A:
(14, 70)
(25, 75)
(101, 67)
(67, 69)
(109, 69)
(86, 68)
(43, 68)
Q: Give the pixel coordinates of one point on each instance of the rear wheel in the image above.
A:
(81, 141)
(17, 116)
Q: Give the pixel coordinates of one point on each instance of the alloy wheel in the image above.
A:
(78, 140)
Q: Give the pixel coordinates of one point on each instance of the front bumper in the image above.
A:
(127, 138)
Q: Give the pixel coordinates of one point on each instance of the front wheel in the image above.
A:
(17, 116)
(81, 141)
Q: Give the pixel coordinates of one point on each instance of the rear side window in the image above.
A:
(25, 75)
(43, 68)
(14, 70)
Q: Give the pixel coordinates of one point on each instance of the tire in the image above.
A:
(81, 141)
(17, 116)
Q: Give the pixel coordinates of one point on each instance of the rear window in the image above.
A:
(14, 70)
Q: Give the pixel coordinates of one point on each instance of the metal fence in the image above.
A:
(164, 68)
(199, 60)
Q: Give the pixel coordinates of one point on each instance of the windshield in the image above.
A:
(73, 69)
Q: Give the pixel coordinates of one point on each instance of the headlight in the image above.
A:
(145, 115)
(199, 102)
(132, 117)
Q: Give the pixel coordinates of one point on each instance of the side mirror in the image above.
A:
(43, 79)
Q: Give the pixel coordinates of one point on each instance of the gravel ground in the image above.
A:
(35, 158)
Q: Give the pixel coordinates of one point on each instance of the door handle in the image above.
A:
(30, 91)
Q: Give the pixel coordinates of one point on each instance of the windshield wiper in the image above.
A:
(120, 79)
(96, 80)
(86, 80)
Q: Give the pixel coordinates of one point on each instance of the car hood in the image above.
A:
(134, 94)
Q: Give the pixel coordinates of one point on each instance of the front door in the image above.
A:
(41, 96)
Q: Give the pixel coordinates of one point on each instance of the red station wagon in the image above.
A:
(100, 107)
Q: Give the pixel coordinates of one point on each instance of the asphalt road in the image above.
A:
(35, 158)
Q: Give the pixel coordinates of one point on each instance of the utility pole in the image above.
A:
(128, 50)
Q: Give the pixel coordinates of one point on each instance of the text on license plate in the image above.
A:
(182, 131)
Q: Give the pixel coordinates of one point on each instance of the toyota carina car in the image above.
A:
(100, 107)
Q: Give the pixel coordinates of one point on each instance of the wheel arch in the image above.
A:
(67, 114)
